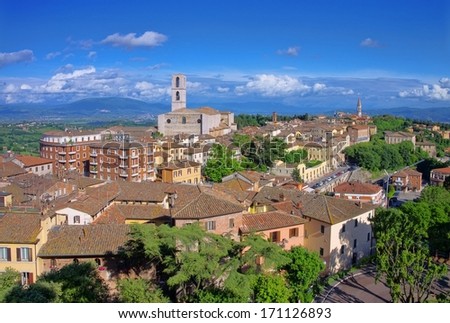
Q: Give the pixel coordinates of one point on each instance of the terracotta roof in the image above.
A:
(19, 227)
(208, 204)
(269, 221)
(407, 172)
(119, 213)
(235, 184)
(444, 170)
(399, 134)
(177, 164)
(95, 199)
(9, 169)
(332, 210)
(207, 110)
(144, 191)
(84, 240)
(357, 188)
(29, 161)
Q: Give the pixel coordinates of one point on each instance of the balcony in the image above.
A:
(94, 162)
(135, 156)
(123, 174)
(93, 153)
(123, 156)
(94, 171)
(134, 165)
(134, 174)
(72, 152)
(63, 153)
(123, 166)
(72, 160)
(62, 160)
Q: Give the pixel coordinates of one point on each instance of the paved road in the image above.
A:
(360, 287)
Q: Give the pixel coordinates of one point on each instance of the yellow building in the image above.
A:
(181, 172)
(19, 238)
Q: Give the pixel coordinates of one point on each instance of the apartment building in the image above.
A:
(181, 172)
(69, 149)
(392, 137)
(127, 161)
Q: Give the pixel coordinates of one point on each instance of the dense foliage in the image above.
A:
(74, 283)
(405, 240)
(197, 266)
(378, 155)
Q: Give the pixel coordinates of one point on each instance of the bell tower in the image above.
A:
(359, 108)
(178, 92)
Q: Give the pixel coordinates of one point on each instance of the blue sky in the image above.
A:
(304, 54)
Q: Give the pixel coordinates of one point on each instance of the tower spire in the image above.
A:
(359, 108)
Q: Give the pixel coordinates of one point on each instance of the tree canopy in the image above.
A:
(403, 256)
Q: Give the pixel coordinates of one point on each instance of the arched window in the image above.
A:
(98, 262)
(177, 82)
(177, 96)
(183, 120)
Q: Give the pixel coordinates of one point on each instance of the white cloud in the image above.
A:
(150, 91)
(25, 55)
(291, 51)
(25, 87)
(66, 81)
(147, 39)
(272, 85)
(11, 88)
(317, 87)
(439, 92)
(52, 55)
(445, 82)
(223, 89)
(92, 55)
(369, 42)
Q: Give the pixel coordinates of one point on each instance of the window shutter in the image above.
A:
(30, 254)
(8, 254)
(30, 278)
(18, 254)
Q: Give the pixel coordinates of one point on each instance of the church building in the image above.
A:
(199, 121)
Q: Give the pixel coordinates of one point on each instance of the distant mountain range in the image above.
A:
(114, 108)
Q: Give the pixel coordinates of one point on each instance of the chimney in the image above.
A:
(282, 198)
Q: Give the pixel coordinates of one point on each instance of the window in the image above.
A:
(321, 252)
(76, 219)
(177, 96)
(293, 232)
(368, 236)
(24, 254)
(322, 229)
(356, 223)
(211, 225)
(177, 82)
(231, 223)
(342, 249)
(183, 120)
(275, 236)
(355, 243)
(5, 254)
(26, 278)
(343, 228)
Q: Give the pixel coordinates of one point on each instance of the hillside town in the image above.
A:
(78, 200)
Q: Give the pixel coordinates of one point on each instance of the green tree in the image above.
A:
(402, 253)
(8, 280)
(296, 175)
(221, 163)
(80, 283)
(271, 289)
(139, 290)
(40, 292)
(302, 273)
